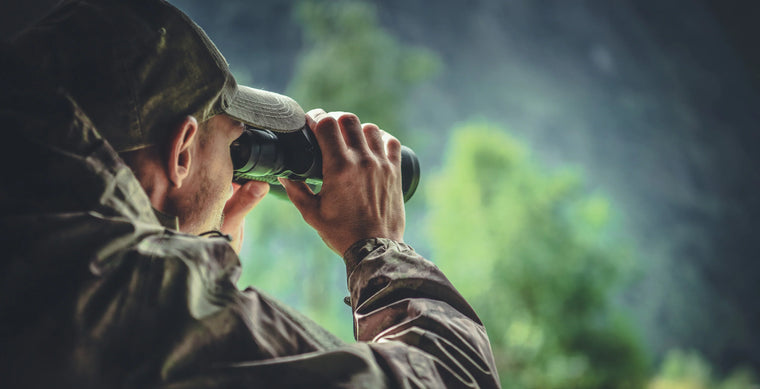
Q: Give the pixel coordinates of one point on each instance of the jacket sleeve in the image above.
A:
(414, 319)
(414, 330)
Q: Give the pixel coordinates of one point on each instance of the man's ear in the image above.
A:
(181, 144)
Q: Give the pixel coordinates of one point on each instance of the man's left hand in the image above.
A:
(244, 199)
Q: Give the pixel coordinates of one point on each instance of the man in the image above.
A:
(107, 282)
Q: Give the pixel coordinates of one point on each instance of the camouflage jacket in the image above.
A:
(97, 293)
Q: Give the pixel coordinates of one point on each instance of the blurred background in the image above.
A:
(589, 171)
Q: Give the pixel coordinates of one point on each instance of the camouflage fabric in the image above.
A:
(97, 293)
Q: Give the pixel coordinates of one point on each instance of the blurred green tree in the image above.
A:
(534, 253)
(353, 65)
(690, 370)
(349, 64)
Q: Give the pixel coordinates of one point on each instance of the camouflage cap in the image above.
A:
(138, 67)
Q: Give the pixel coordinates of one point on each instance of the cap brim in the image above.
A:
(265, 110)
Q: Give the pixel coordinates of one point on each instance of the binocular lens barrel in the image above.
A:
(264, 155)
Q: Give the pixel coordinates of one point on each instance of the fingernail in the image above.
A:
(315, 112)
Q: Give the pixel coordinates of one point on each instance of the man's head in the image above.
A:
(146, 75)
(189, 176)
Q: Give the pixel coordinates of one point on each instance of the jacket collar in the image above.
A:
(166, 220)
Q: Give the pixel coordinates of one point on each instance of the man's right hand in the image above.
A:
(361, 194)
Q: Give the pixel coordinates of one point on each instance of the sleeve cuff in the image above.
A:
(361, 249)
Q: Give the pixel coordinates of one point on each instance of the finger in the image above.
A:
(299, 194)
(312, 115)
(242, 202)
(374, 136)
(393, 147)
(328, 134)
(315, 111)
(351, 128)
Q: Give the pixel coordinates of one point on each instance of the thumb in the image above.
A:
(299, 194)
(242, 201)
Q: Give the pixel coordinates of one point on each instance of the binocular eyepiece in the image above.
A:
(264, 155)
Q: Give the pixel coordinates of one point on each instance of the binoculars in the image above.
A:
(264, 155)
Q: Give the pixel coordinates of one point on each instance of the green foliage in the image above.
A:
(284, 257)
(689, 370)
(353, 65)
(533, 253)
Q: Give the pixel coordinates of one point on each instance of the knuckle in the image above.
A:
(393, 171)
(372, 128)
(341, 166)
(393, 141)
(366, 162)
(326, 123)
(388, 166)
(347, 118)
(386, 170)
